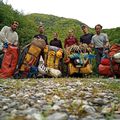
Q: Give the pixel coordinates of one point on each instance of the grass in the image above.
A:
(114, 86)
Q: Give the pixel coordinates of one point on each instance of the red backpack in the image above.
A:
(114, 49)
(9, 62)
(108, 66)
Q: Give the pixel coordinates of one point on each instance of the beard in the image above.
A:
(13, 29)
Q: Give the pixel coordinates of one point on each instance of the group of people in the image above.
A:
(99, 41)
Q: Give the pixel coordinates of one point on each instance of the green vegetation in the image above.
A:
(114, 86)
(114, 34)
(56, 24)
(29, 25)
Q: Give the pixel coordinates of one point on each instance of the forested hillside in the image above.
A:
(114, 34)
(29, 25)
(56, 24)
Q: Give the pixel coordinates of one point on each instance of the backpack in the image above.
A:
(9, 61)
(80, 59)
(107, 70)
(111, 66)
(29, 59)
(53, 56)
(114, 49)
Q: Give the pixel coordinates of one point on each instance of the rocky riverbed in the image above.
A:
(59, 99)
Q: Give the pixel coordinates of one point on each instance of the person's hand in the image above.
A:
(106, 45)
(15, 44)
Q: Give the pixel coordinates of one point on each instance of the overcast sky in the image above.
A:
(91, 12)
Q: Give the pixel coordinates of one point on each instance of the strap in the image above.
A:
(111, 66)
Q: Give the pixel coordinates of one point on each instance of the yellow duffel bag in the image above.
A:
(72, 69)
(52, 56)
(87, 69)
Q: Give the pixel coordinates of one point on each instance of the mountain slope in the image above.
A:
(56, 24)
(29, 25)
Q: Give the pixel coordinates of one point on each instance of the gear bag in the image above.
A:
(53, 56)
(29, 58)
(9, 62)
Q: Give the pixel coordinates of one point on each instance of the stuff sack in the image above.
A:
(105, 70)
(9, 61)
(48, 71)
(105, 61)
(54, 72)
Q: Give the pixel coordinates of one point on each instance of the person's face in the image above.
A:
(14, 26)
(98, 29)
(85, 30)
(71, 34)
(55, 35)
(41, 29)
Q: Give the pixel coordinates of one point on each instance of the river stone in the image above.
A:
(88, 109)
(58, 116)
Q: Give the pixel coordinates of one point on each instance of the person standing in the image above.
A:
(99, 42)
(70, 40)
(86, 37)
(41, 33)
(56, 42)
(9, 34)
(39, 36)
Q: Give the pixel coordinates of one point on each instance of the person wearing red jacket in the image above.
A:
(70, 40)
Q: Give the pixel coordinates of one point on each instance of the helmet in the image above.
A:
(116, 57)
(77, 61)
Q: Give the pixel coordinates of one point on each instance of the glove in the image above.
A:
(5, 45)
